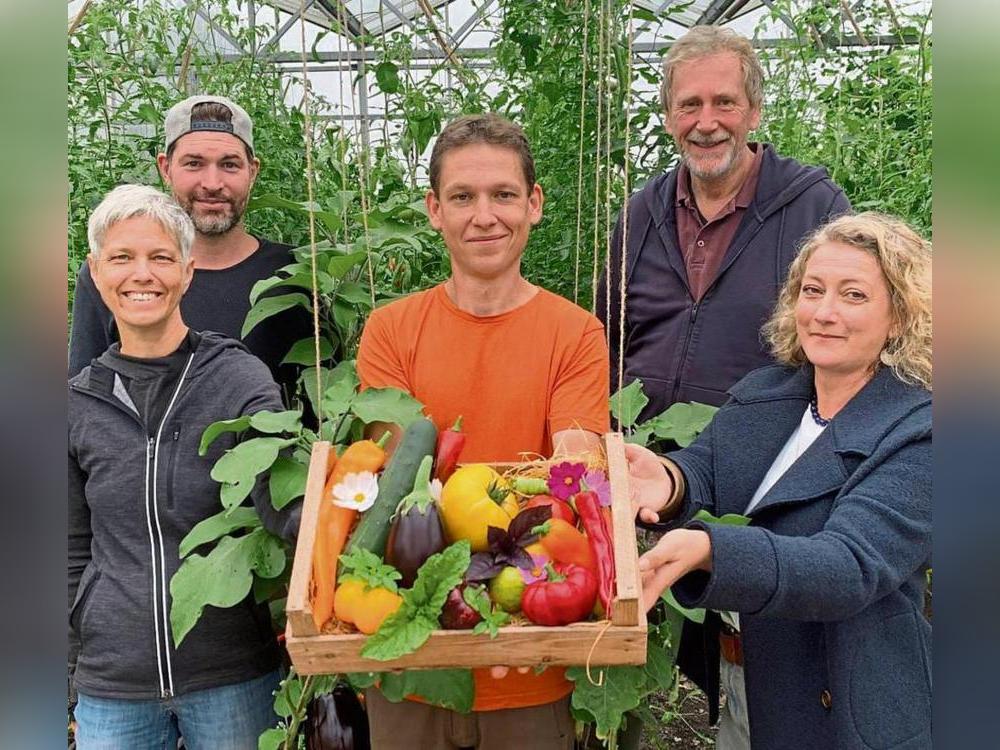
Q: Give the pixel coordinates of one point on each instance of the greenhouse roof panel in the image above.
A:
(696, 12)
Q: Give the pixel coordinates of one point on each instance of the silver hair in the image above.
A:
(129, 201)
(705, 41)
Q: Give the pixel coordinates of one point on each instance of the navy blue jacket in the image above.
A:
(829, 576)
(684, 351)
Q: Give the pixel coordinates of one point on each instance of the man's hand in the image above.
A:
(676, 554)
(649, 484)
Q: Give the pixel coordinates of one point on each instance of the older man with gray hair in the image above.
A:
(708, 248)
(137, 486)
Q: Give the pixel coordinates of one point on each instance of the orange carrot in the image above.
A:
(335, 523)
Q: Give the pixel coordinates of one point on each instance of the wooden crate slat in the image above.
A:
(298, 607)
(625, 608)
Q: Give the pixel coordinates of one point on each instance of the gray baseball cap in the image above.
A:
(179, 121)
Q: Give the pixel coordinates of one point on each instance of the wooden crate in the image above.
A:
(623, 641)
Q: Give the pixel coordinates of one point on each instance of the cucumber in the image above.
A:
(396, 482)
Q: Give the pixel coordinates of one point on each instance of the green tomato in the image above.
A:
(506, 589)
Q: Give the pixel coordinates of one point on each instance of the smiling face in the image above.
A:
(843, 315)
(141, 277)
(484, 209)
(211, 177)
(709, 114)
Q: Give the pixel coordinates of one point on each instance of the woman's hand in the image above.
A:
(649, 484)
(676, 554)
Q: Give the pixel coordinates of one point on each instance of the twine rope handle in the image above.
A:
(590, 656)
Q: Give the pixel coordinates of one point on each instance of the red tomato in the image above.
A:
(560, 508)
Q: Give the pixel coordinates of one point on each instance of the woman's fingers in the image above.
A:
(498, 672)
(658, 581)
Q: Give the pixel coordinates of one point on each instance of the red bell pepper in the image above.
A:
(449, 447)
(598, 531)
(566, 596)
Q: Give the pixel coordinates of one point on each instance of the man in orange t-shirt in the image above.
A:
(526, 369)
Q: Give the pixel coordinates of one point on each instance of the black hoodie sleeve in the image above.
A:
(79, 549)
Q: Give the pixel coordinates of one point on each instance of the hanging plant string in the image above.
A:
(579, 171)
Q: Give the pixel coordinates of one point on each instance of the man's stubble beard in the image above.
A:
(214, 224)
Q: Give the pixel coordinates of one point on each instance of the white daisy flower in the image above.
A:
(356, 491)
(435, 489)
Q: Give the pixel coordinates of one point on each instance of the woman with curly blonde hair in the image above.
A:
(818, 600)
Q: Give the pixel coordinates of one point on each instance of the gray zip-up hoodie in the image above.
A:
(135, 491)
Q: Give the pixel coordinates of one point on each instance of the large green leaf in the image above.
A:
(277, 421)
(682, 423)
(339, 387)
(387, 405)
(627, 403)
(269, 306)
(449, 688)
(303, 352)
(696, 615)
(222, 523)
(287, 481)
(354, 293)
(217, 428)
(339, 265)
(271, 739)
(387, 77)
(621, 690)
(237, 470)
(221, 579)
(302, 280)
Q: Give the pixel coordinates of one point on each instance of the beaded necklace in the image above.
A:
(814, 410)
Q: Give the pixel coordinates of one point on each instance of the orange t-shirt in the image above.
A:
(515, 379)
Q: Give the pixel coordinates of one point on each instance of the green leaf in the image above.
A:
(641, 434)
(409, 627)
(238, 468)
(387, 405)
(695, 615)
(221, 579)
(362, 680)
(217, 428)
(277, 421)
(354, 293)
(622, 690)
(339, 387)
(288, 696)
(729, 519)
(287, 481)
(660, 668)
(301, 280)
(222, 523)
(628, 403)
(268, 558)
(449, 688)
(271, 739)
(642, 14)
(682, 423)
(341, 264)
(269, 306)
(387, 77)
(303, 352)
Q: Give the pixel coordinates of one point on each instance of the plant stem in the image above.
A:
(298, 714)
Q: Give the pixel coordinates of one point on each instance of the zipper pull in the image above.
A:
(149, 447)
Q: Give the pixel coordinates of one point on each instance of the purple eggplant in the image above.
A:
(337, 721)
(416, 532)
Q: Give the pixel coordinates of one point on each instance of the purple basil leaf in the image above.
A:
(482, 567)
(522, 559)
(495, 536)
(525, 521)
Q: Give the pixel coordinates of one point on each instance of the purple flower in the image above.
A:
(564, 479)
(538, 572)
(597, 481)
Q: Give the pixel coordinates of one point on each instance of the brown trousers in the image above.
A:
(408, 725)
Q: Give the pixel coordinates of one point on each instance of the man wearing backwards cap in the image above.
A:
(210, 166)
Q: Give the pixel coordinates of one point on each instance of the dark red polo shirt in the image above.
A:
(704, 242)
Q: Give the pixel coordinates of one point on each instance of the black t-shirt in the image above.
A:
(150, 382)
(217, 300)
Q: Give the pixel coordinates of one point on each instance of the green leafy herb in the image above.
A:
(494, 618)
(364, 565)
(411, 625)
(449, 688)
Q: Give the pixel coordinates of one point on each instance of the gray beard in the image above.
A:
(215, 225)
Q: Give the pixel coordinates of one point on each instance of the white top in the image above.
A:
(798, 442)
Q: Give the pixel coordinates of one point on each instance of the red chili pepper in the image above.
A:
(567, 596)
(598, 531)
(449, 447)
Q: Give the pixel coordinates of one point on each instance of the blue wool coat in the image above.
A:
(829, 576)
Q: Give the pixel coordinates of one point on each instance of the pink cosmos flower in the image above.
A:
(597, 481)
(564, 479)
(537, 573)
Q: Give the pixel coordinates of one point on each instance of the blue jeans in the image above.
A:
(230, 717)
